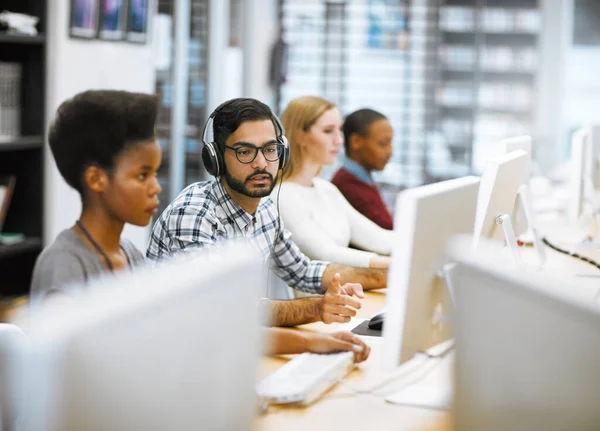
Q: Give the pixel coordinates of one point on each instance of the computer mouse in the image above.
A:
(376, 321)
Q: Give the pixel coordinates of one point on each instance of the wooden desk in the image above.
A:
(581, 276)
(342, 408)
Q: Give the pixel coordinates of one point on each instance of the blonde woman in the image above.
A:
(323, 224)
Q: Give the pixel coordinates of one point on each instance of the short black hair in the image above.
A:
(233, 113)
(94, 127)
(358, 123)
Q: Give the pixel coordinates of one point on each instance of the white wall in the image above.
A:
(582, 90)
(550, 109)
(73, 66)
(570, 92)
(260, 33)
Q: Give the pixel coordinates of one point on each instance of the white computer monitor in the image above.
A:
(175, 347)
(580, 167)
(593, 161)
(524, 143)
(522, 216)
(498, 190)
(12, 341)
(527, 348)
(418, 302)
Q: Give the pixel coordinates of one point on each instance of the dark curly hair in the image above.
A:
(94, 127)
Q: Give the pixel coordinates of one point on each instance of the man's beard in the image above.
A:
(240, 186)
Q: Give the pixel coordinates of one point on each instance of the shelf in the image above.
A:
(450, 37)
(504, 4)
(489, 75)
(505, 111)
(508, 75)
(29, 245)
(459, 111)
(40, 39)
(490, 33)
(21, 143)
(490, 38)
(510, 4)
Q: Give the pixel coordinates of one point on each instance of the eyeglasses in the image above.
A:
(247, 153)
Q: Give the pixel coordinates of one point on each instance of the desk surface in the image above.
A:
(343, 408)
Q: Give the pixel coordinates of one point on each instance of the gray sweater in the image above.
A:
(68, 264)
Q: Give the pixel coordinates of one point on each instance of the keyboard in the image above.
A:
(305, 378)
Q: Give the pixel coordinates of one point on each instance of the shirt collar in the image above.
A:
(232, 210)
(357, 170)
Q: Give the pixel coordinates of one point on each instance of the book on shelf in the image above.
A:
(7, 186)
(468, 19)
(10, 88)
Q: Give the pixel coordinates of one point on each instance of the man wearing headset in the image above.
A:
(248, 151)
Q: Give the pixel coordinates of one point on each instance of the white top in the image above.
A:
(324, 224)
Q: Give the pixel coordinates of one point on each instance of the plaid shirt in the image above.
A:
(205, 215)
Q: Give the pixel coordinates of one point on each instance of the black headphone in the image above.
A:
(212, 153)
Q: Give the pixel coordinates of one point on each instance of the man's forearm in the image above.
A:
(294, 312)
(285, 341)
(369, 278)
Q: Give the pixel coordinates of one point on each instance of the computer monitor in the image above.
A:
(418, 301)
(580, 164)
(175, 347)
(594, 156)
(498, 190)
(12, 341)
(524, 143)
(507, 146)
(522, 215)
(527, 348)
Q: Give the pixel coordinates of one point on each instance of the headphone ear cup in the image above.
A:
(211, 159)
(285, 156)
(221, 160)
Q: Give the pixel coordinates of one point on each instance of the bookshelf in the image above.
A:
(21, 143)
(7, 39)
(486, 62)
(196, 99)
(21, 149)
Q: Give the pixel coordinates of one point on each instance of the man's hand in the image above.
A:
(352, 289)
(339, 342)
(338, 303)
(369, 278)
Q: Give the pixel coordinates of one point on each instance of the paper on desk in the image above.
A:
(424, 396)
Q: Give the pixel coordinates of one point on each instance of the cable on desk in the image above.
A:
(571, 253)
(416, 375)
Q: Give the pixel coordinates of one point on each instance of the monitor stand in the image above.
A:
(424, 396)
(421, 395)
(439, 395)
(592, 230)
(531, 236)
(445, 273)
(510, 237)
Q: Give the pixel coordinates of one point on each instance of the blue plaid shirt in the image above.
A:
(205, 215)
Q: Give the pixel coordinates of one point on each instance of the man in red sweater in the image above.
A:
(368, 144)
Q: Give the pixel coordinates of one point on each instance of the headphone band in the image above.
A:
(276, 122)
(210, 120)
(213, 157)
